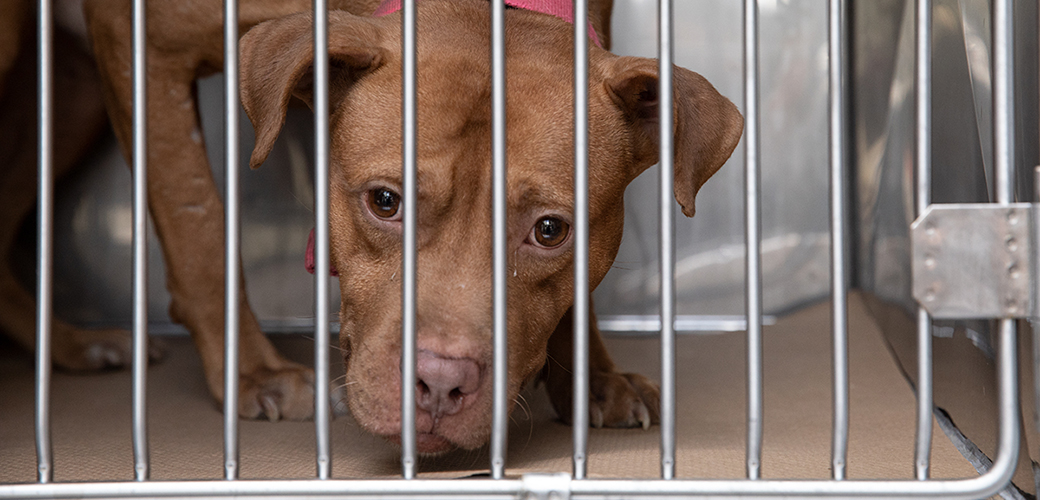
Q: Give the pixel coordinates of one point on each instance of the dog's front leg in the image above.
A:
(189, 219)
(615, 399)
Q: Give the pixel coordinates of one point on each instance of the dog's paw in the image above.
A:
(89, 350)
(285, 393)
(623, 400)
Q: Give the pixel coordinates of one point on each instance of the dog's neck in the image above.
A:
(563, 9)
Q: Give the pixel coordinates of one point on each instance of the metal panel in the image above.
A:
(961, 145)
(710, 253)
(973, 260)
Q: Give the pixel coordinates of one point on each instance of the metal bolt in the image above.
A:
(1014, 271)
(929, 261)
(1011, 243)
(1011, 305)
(1012, 217)
(929, 294)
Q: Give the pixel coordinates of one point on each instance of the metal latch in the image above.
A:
(975, 260)
(545, 487)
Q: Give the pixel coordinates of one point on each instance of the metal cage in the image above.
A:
(574, 483)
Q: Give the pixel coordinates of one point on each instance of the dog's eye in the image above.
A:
(384, 203)
(550, 232)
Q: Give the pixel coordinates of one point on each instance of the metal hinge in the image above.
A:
(545, 487)
(976, 260)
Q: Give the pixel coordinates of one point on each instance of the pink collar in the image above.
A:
(309, 260)
(563, 9)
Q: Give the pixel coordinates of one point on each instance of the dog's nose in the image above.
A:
(443, 383)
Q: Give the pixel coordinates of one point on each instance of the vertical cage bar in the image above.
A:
(923, 170)
(665, 57)
(581, 240)
(1004, 123)
(232, 240)
(1035, 322)
(45, 239)
(500, 259)
(140, 243)
(1003, 102)
(753, 241)
(322, 337)
(839, 286)
(408, 264)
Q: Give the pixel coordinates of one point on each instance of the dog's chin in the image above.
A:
(427, 444)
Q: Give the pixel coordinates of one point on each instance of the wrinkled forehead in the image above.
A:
(454, 100)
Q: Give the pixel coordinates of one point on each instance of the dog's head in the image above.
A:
(454, 189)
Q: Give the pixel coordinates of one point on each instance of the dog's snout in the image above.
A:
(443, 383)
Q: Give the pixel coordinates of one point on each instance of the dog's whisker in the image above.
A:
(550, 357)
(522, 403)
(332, 344)
(345, 384)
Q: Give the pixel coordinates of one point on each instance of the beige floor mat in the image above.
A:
(91, 418)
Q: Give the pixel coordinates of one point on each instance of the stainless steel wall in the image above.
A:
(962, 144)
(710, 247)
(92, 254)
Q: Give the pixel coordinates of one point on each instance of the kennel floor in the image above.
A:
(91, 418)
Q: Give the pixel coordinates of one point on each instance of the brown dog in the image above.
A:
(454, 199)
(454, 195)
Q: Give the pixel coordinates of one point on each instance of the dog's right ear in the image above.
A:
(277, 60)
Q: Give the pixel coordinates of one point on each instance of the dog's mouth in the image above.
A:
(441, 435)
(427, 443)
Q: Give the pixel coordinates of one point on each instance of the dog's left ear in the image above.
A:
(707, 125)
(277, 63)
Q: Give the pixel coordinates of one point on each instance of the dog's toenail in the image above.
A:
(644, 416)
(597, 417)
(270, 408)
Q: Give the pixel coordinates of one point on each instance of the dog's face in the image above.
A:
(454, 191)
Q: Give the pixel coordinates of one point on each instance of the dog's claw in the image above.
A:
(270, 408)
(285, 392)
(100, 349)
(644, 416)
(596, 416)
(623, 400)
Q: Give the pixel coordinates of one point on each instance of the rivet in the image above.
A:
(1011, 243)
(1011, 305)
(1012, 217)
(1014, 271)
(929, 261)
